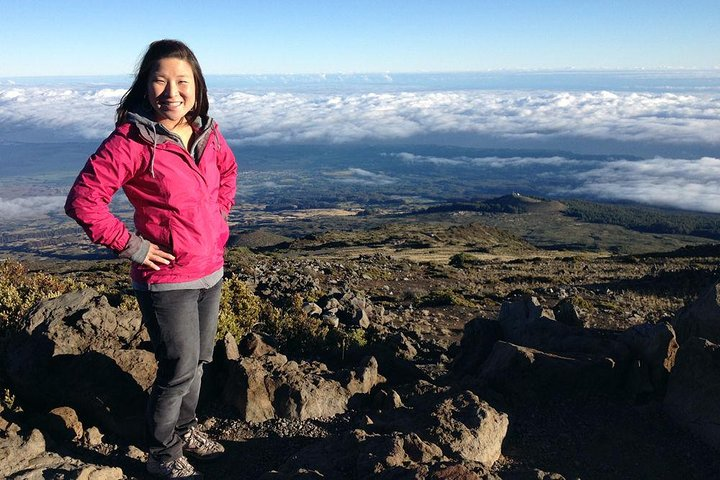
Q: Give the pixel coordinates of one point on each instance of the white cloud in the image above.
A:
(78, 114)
(412, 158)
(680, 183)
(274, 117)
(682, 119)
(360, 176)
(30, 207)
(505, 162)
(493, 162)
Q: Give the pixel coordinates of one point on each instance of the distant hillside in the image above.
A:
(513, 203)
(639, 218)
(646, 219)
(257, 239)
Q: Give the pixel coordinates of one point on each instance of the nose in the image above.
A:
(171, 89)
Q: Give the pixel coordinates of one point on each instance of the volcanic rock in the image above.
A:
(653, 346)
(524, 371)
(80, 352)
(479, 336)
(694, 388)
(525, 322)
(63, 424)
(569, 313)
(468, 427)
(26, 458)
(270, 386)
(701, 318)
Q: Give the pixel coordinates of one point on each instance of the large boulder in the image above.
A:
(526, 372)
(25, 457)
(701, 318)
(469, 428)
(653, 348)
(479, 337)
(525, 322)
(78, 351)
(267, 386)
(569, 312)
(694, 389)
(250, 387)
(306, 390)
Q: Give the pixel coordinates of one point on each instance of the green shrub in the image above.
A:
(7, 400)
(20, 290)
(239, 308)
(299, 334)
(581, 303)
(462, 260)
(442, 298)
(295, 331)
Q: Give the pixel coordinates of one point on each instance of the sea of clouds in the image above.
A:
(673, 119)
(274, 117)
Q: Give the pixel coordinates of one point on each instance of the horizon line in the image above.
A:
(566, 70)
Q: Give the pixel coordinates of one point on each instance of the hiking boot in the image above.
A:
(179, 469)
(199, 446)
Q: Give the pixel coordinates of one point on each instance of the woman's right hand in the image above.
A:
(156, 256)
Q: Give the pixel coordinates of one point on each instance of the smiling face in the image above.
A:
(171, 91)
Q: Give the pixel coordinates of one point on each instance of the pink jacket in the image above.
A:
(179, 205)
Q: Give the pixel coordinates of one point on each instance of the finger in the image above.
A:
(163, 254)
(159, 259)
(151, 264)
(155, 250)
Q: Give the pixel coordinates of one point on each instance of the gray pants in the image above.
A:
(182, 326)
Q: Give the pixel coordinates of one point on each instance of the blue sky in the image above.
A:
(73, 37)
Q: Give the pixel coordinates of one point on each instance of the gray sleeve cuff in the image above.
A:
(136, 249)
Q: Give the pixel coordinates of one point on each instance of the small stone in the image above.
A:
(331, 320)
(388, 400)
(360, 318)
(255, 345)
(419, 450)
(8, 427)
(232, 353)
(93, 437)
(93, 472)
(64, 424)
(366, 421)
(135, 453)
(209, 423)
(312, 309)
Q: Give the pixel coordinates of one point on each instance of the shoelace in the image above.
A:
(197, 438)
(181, 466)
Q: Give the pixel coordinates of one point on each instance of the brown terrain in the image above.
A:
(457, 345)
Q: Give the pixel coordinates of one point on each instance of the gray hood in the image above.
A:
(154, 133)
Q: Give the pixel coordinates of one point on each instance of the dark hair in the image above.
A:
(134, 97)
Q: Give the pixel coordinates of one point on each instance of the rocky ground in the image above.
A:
(470, 354)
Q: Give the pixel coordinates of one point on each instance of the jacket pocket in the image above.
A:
(155, 226)
(191, 237)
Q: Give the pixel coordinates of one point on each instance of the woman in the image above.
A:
(179, 174)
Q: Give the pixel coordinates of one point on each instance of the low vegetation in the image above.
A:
(242, 312)
(239, 309)
(20, 290)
